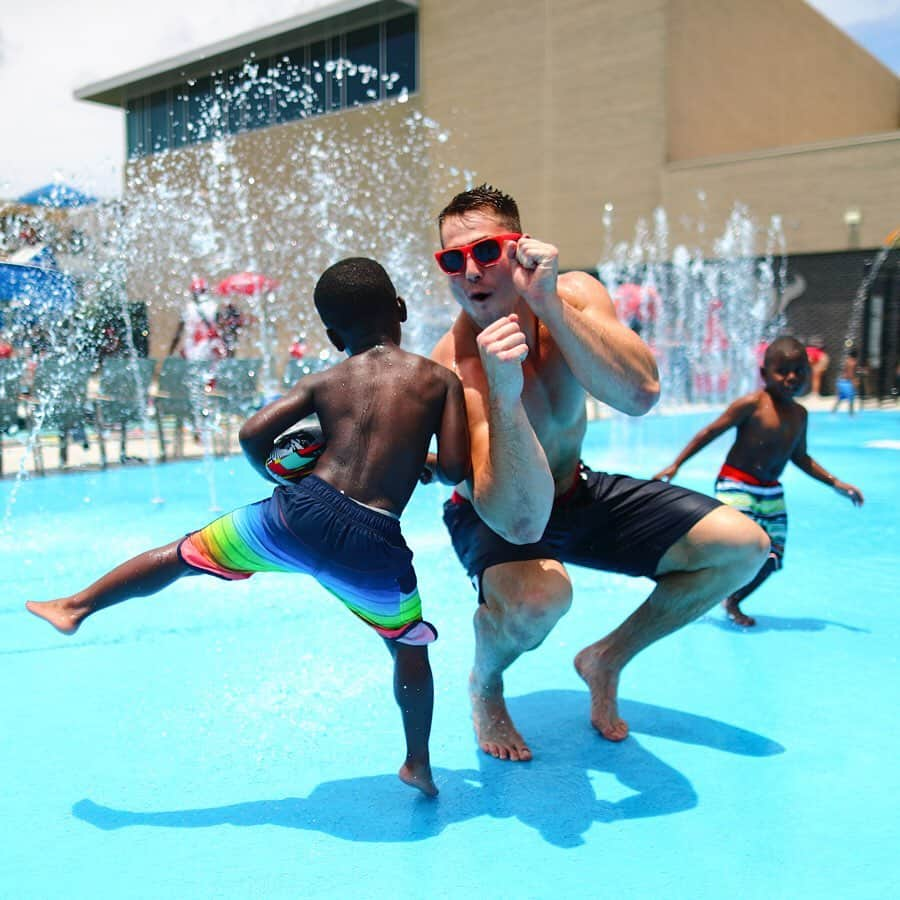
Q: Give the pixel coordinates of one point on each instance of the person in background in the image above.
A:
(298, 347)
(230, 321)
(847, 383)
(197, 333)
(818, 364)
(771, 431)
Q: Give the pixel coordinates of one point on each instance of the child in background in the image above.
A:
(846, 382)
(771, 430)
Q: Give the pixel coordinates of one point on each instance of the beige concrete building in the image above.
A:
(567, 104)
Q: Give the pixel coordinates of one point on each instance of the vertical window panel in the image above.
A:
(134, 128)
(159, 121)
(178, 116)
(401, 52)
(290, 92)
(259, 97)
(199, 99)
(337, 80)
(363, 48)
(236, 100)
(318, 77)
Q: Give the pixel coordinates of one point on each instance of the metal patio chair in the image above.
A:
(236, 392)
(10, 390)
(182, 394)
(123, 394)
(59, 404)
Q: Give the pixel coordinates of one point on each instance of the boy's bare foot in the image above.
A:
(418, 775)
(735, 614)
(496, 734)
(603, 681)
(59, 613)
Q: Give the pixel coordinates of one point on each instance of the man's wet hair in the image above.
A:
(354, 294)
(781, 346)
(484, 197)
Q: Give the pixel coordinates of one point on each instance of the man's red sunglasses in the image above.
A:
(485, 252)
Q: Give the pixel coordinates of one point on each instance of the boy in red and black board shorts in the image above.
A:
(771, 430)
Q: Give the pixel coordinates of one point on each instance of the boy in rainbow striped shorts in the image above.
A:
(771, 431)
(378, 411)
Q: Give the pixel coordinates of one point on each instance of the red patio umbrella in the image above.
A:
(246, 283)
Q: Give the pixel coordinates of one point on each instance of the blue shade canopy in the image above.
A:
(30, 293)
(57, 196)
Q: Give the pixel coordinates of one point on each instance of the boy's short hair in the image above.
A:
(780, 345)
(355, 293)
(485, 196)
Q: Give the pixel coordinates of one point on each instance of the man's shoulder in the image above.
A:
(581, 289)
(455, 344)
(577, 278)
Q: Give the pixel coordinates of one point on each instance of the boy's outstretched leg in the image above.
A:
(142, 575)
(414, 693)
(732, 603)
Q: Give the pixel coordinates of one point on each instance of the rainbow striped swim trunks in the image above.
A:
(354, 551)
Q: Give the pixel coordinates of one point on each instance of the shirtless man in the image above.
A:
(529, 344)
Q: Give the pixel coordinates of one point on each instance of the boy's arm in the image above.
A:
(734, 416)
(453, 462)
(258, 433)
(801, 458)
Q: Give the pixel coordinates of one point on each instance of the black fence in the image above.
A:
(826, 286)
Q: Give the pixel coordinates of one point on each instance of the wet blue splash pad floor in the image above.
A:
(240, 740)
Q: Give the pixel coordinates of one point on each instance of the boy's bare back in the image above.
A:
(379, 410)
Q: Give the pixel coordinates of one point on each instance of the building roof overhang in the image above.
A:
(325, 15)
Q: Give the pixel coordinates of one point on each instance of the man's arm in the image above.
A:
(801, 458)
(734, 416)
(258, 433)
(609, 360)
(510, 485)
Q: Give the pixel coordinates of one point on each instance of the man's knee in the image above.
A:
(741, 546)
(529, 603)
(755, 546)
(723, 539)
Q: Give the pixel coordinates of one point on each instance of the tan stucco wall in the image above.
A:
(359, 187)
(810, 188)
(743, 76)
(559, 104)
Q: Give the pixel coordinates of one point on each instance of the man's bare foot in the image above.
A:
(735, 614)
(418, 775)
(58, 613)
(496, 734)
(603, 681)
